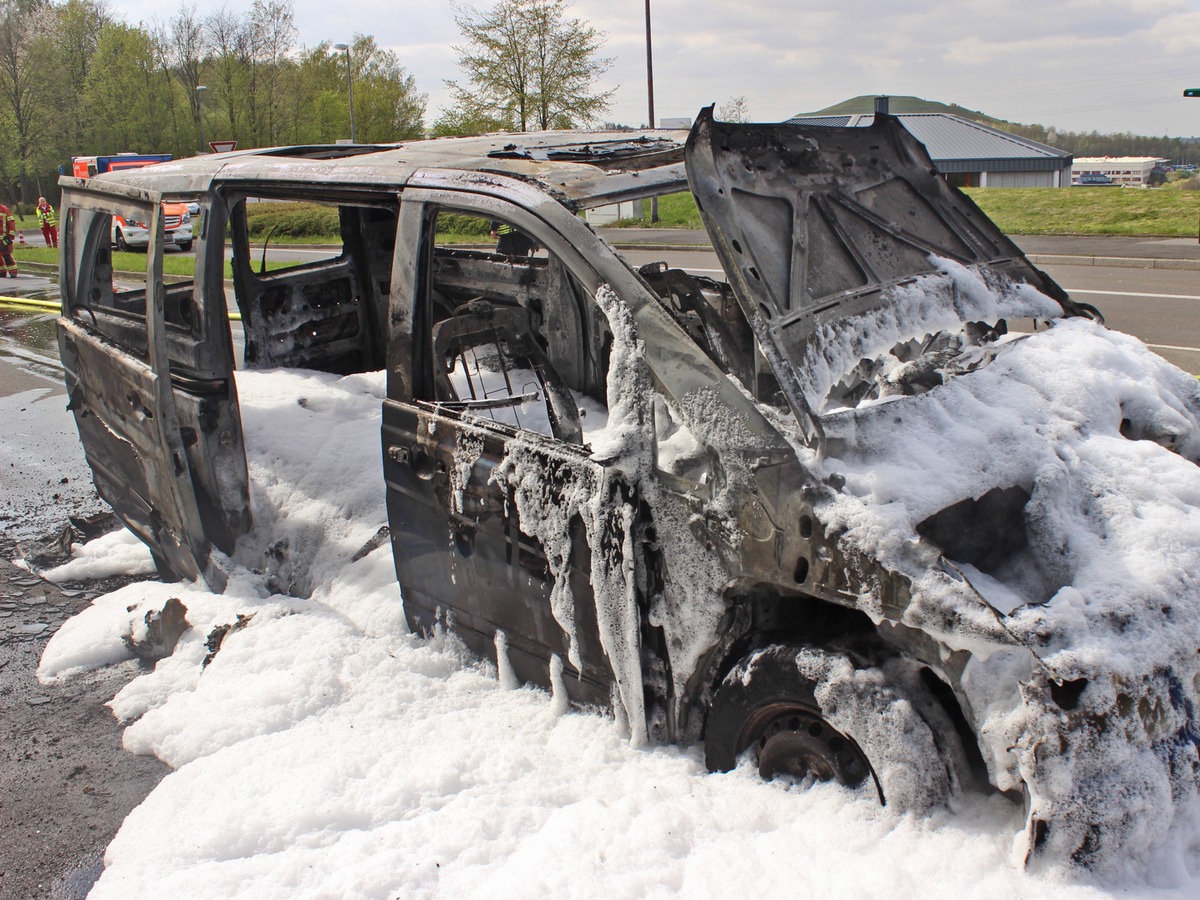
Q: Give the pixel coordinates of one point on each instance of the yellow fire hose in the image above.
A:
(56, 306)
(30, 302)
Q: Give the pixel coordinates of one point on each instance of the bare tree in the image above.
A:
(187, 47)
(229, 44)
(273, 32)
(735, 110)
(528, 64)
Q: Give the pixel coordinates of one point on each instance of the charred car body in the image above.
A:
(630, 482)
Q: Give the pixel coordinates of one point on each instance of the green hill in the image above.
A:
(866, 104)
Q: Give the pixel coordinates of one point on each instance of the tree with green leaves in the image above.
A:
(27, 112)
(129, 92)
(528, 65)
(77, 81)
(315, 106)
(387, 105)
(76, 35)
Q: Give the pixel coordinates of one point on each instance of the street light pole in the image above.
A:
(1193, 92)
(349, 86)
(200, 89)
(650, 94)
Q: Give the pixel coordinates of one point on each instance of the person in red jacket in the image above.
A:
(8, 236)
(48, 221)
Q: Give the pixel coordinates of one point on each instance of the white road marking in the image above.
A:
(1075, 291)
(1171, 347)
(1132, 294)
(1067, 289)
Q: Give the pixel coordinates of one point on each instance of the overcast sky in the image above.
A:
(1108, 65)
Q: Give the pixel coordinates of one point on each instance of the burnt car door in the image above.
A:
(503, 525)
(149, 373)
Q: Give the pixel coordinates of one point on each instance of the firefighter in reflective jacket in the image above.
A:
(8, 236)
(45, 214)
(510, 241)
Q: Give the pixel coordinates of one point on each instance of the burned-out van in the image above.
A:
(863, 507)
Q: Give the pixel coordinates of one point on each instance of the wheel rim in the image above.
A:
(799, 743)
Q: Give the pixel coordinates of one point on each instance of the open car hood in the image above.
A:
(817, 226)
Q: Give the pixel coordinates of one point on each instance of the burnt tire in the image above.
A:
(809, 713)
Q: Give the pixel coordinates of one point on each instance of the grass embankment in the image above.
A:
(1091, 210)
(674, 211)
(309, 223)
(173, 263)
(1168, 213)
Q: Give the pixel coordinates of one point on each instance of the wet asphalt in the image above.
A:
(65, 782)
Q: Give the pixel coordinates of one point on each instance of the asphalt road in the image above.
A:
(66, 784)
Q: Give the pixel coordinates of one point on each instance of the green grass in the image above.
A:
(173, 264)
(1091, 210)
(122, 262)
(283, 221)
(37, 255)
(674, 211)
(1131, 211)
(308, 223)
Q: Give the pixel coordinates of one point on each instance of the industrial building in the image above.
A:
(970, 154)
(1123, 170)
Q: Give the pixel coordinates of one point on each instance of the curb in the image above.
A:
(43, 268)
(1114, 262)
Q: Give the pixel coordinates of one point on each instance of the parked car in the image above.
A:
(791, 511)
(134, 234)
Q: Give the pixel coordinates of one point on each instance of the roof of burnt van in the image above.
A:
(585, 168)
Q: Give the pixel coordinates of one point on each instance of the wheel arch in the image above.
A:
(763, 615)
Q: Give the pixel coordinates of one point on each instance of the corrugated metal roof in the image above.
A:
(952, 138)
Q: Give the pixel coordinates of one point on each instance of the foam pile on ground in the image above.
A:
(323, 751)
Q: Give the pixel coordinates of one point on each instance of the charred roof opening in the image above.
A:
(635, 153)
(327, 151)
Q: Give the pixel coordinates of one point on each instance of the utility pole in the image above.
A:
(650, 94)
(350, 85)
(200, 89)
(1187, 92)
